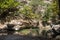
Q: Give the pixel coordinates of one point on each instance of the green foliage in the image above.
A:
(6, 4)
(27, 12)
(54, 7)
(51, 11)
(7, 9)
(35, 2)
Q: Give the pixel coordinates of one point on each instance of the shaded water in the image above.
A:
(21, 37)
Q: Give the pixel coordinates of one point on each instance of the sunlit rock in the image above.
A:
(2, 26)
(55, 26)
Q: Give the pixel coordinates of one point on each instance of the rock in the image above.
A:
(2, 26)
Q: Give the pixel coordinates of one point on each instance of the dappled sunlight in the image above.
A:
(29, 20)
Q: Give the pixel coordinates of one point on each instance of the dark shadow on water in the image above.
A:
(21, 37)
